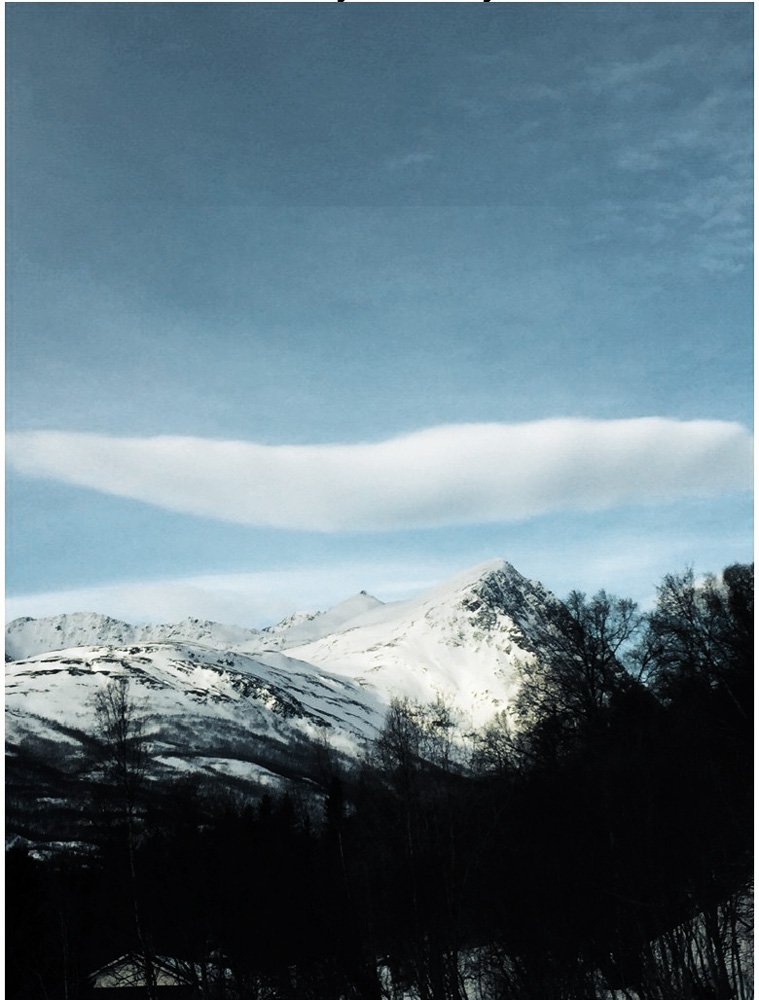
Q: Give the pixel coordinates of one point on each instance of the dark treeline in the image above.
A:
(602, 844)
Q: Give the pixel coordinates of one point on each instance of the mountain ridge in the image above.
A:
(461, 639)
(247, 707)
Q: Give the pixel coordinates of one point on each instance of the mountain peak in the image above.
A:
(472, 578)
(29, 636)
(497, 568)
(355, 605)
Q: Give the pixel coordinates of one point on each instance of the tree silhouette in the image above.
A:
(575, 673)
(123, 757)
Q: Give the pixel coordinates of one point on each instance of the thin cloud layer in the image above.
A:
(446, 475)
(627, 559)
(251, 599)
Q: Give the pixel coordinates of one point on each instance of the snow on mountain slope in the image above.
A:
(200, 704)
(206, 633)
(25, 637)
(299, 629)
(206, 681)
(233, 708)
(30, 636)
(461, 640)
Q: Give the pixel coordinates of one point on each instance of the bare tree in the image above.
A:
(122, 743)
(700, 635)
(578, 669)
(123, 764)
(494, 746)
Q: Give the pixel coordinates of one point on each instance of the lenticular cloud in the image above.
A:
(453, 474)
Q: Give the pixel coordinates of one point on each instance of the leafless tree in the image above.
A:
(578, 669)
(123, 764)
(122, 743)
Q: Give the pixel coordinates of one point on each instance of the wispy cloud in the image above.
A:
(630, 74)
(640, 160)
(629, 559)
(670, 130)
(409, 160)
(251, 599)
(452, 474)
(705, 150)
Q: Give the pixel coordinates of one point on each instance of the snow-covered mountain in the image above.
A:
(461, 640)
(203, 708)
(302, 628)
(230, 702)
(30, 636)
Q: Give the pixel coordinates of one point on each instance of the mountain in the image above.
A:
(237, 706)
(205, 710)
(302, 628)
(30, 636)
(462, 641)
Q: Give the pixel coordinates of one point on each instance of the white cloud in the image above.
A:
(249, 599)
(629, 560)
(454, 474)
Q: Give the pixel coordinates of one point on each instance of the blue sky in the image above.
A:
(320, 224)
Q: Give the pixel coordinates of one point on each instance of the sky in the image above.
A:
(304, 299)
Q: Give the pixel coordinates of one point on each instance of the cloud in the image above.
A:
(409, 160)
(706, 225)
(251, 599)
(445, 475)
(702, 214)
(633, 73)
(639, 160)
(625, 557)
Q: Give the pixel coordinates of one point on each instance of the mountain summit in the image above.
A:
(461, 641)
